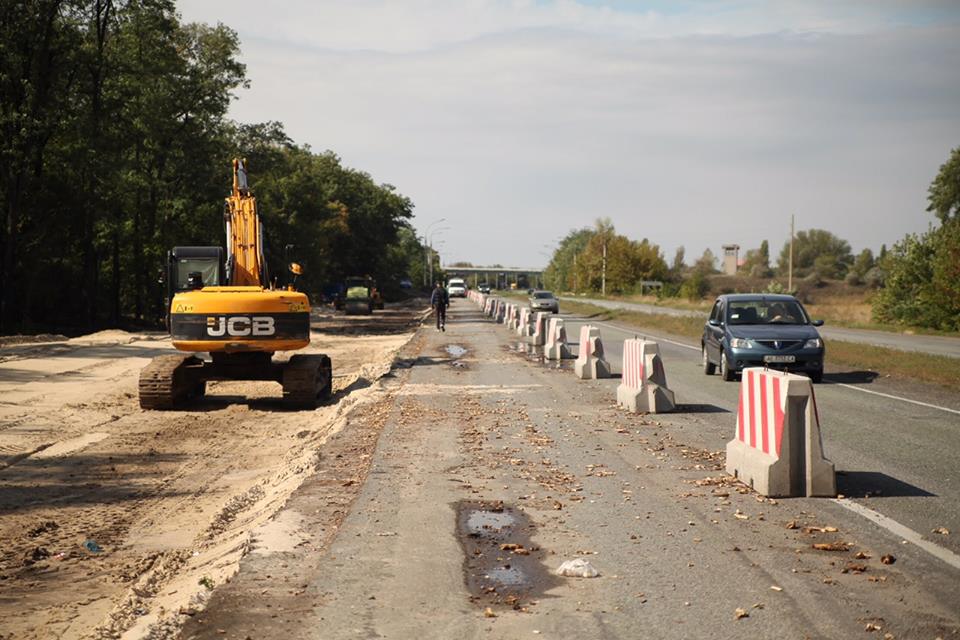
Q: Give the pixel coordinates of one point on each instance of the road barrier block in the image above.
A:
(501, 311)
(488, 308)
(513, 312)
(523, 325)
(777, 448)
(540, 329)
(590, 363)
(643, 386)
(556, 346)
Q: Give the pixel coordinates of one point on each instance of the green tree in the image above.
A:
(757, 261)
(706, 264)
(944, 192)
(921, 284)
(810, 245)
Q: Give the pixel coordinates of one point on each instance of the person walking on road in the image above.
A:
(440, 300)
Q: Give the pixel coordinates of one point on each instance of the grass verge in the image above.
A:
(848, 356)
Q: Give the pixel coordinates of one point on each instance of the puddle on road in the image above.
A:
(501, 565)
(455, 350)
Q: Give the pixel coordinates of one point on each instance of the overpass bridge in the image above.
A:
(498, 277)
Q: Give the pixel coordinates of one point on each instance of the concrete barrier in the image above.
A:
(777, 448)
(501, 311)
(540, 329)
(556, 346)
(514, 318)
(524, 322)
(590, 364)
(643, 386)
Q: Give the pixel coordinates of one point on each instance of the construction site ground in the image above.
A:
(116, 521)
(436, 496)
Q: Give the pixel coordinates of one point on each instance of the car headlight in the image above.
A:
(813, 343)
(740, 343)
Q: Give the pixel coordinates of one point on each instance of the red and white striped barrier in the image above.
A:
(556, 346)
(540, 329)
(501, 311)
(590, 364)
(777, 448)
(514, 318)
(523, 324)
(643, 386)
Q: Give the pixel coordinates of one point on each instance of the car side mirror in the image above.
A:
(713, 322)
(817, 323)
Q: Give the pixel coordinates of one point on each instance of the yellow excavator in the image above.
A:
(224, 305)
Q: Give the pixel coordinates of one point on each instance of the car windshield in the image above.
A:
(766, 312)
(543, 295)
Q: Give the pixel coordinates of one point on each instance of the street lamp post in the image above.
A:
(430, 249)
(426, 252)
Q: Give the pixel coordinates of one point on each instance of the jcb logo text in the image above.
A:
(240, 326)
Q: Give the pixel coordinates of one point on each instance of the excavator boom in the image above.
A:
(245, 264)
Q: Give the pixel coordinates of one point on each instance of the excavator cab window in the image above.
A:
(187, 261)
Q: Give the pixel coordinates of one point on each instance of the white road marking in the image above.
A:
(644, 334)
(901, 531)
(887, 395)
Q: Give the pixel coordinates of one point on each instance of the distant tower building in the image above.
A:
(731, 255)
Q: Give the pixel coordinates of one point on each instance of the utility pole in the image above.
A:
(576, 275)
(603, 275)
(790, 266)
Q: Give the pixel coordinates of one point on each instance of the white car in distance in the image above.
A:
(457, 288)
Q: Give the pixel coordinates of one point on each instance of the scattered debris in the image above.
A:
(887, 559)
(942, 531)
(577, 568)
(92, 546)
(831, 546)
(740, 613)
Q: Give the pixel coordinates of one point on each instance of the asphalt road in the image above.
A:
(493, 468)
(936, 345)
(904, 455)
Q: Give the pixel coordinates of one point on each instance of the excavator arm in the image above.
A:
(245, 264)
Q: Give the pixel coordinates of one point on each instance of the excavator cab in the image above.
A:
(182, 261)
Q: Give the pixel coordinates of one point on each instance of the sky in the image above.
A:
(692, 123)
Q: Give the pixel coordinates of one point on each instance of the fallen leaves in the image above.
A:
(831, 546)
(740, 613)
(942, 531)
(820, 529)
(887, 559)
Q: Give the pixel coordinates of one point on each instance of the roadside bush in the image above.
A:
(695, 287)
(853, 278)
(923, 280)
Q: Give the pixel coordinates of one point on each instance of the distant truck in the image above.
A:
(457, 288)
(361, 296)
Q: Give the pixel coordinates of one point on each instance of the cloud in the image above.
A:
(696, 126)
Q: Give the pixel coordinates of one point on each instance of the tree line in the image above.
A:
(916, 282)
(115, 145)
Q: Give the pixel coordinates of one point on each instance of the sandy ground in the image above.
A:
(115, 521)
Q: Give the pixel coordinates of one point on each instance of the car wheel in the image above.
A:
(708, 367)
(817, 376)
(725, 371)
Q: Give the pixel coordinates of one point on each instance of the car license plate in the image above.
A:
(779, 358)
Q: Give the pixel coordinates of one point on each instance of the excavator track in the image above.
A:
(307, 380)
(168, 380)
